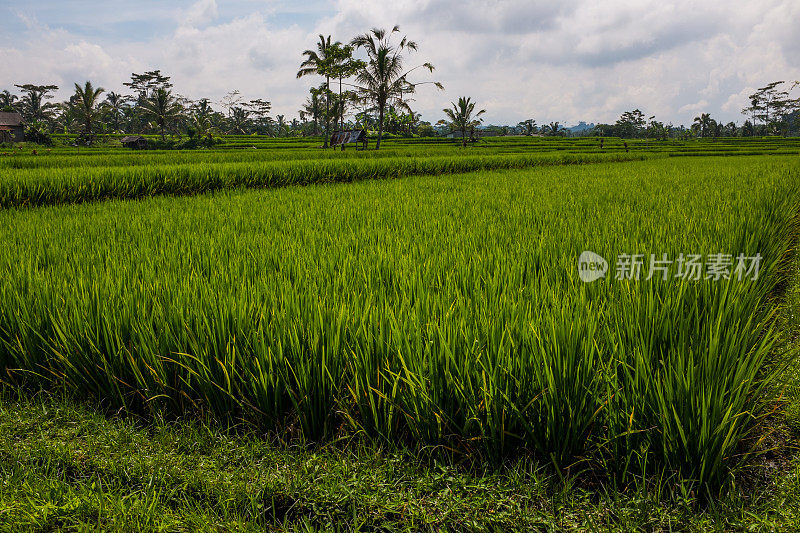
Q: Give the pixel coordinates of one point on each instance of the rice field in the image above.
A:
(441, 309)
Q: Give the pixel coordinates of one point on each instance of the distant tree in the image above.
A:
(753, 111)
(772, 106)
(462, 116)
(203, 107)
(320, 62)
(343, 66)
(553, 129)
(259, 111)
(528, 126)
(85, 103)
(313, 108)
(239, 121)
(8, 101)
(631, 124)
(280, 126)
(425, 129)
(163, 108)
(115, 107)
(33, 104)
(232, 99)
(703, 125)
(203, 128)
(384, 80)
(144, 84)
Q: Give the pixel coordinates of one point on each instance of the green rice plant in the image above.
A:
(40, 187)
(440, 310)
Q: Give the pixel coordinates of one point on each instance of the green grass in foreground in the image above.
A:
(434, 311)
(66, 467)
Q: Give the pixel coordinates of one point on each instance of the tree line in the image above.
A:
(374, 90)
(364, 83)
(772, 111)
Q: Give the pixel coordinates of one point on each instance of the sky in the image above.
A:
(582, 60)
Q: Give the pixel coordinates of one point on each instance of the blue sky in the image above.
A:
(582, 60)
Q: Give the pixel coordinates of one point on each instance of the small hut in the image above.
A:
(134, 142)
(340, 138)
(12, 129)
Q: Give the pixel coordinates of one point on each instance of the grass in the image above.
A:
(69, 185)
(397, 355)
(438, 311)
(64, 466)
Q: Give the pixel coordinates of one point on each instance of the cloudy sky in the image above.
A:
(553, 61)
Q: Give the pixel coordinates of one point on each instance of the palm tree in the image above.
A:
(528, 126)
(462, 118)
(312, 108)
(203, 107)
(163, 108)
(703, 124)
(554, 129)
(204, 129)
(85, 103)
(384, 79)
(240, 120)
(8, 100)
(116, 105)
(280, 125)
(320, 62)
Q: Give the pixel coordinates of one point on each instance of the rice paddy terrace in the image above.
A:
(434, 300)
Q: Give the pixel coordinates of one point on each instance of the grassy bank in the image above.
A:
(66, 467)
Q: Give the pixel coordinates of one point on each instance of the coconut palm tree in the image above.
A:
(203, 107)
(8, 101)
(320, 62)
(528, 126)
(240, 120)
(384, 79)
(554, 129)
(116, 105)
(313, 108)
(703, 124)
(163, 108)
(463, 116)
(280, 126)
(85, 103)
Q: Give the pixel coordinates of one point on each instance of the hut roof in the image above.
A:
(131, 139)
(10, 119)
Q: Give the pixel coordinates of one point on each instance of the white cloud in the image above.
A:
(200, 13)
(584, 60)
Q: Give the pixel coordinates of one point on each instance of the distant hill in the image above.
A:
(581, 127)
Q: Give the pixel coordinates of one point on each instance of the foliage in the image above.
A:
(34, 105)
(528, 126)
(385, 81)
(463, 117)
(36, 132)
(85, 104)
(163, 108)
(321, 62)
